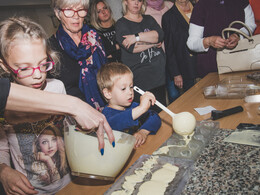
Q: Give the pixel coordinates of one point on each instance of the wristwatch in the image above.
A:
(137, 38)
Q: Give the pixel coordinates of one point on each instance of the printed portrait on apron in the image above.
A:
(42, 151)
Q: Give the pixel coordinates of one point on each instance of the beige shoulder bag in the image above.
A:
(244, 57)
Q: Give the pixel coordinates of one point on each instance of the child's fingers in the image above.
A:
(137, 144)
(150, 95)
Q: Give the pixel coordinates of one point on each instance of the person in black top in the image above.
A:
(102, 20)
(4, 88)
(81, 49)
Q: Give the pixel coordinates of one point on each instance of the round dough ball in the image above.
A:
(184, 123)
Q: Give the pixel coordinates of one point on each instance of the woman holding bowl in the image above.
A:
(81, 50)
(140, 37)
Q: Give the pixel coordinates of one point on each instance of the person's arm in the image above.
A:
(13, 181)
(197, 43)
(195, 39)
(120, 120)
(146, 41)
(249, 19)
(127, 40)
(146, 100)
(152, 123)
(25, 99)
(154, 36)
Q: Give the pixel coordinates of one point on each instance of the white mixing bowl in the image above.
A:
(85, 159)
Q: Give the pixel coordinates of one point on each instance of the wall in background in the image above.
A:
(42, 14)
(23, 2)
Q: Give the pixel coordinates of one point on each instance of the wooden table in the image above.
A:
(193, 98)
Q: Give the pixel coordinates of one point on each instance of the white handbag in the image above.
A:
(244, 57)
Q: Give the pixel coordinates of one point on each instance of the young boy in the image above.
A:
(115, 81)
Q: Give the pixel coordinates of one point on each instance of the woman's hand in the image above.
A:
(140, 137)
(15, 182)
(158, 45)
(214, 41)
(89, 118)
(232, 41)
(129, 40)
(178, 81)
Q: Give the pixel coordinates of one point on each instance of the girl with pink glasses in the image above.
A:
(26, 58)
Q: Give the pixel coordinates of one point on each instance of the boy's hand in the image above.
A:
(141, 137)
(15, 182)
(147, 100)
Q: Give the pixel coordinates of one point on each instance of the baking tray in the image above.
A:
(175, 187)
(203, 133)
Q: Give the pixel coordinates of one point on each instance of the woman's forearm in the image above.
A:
(249, 19)
(141, 46)
(25, 99)
(149, 37)
(195, 40)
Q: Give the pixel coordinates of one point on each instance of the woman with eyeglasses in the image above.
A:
(81, 51)
(102, 20)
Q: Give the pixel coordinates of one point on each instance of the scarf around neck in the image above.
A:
(157, 5)
(90, 56)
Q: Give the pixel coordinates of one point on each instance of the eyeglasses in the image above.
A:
(28, 71)
(69, 13)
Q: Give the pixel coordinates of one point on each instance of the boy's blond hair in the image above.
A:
(110, 72)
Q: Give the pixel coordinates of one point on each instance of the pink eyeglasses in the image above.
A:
(28, 71)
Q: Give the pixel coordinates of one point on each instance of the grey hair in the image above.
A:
(59, 4)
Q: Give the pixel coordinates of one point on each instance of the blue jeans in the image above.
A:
(173, 92)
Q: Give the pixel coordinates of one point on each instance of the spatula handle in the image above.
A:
(159, 104)
(217, 114)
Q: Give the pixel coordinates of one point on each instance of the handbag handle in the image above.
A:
(243, 24)
(237, 31)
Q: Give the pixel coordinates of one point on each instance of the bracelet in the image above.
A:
(137, 38)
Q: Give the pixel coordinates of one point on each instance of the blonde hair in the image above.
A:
(108, 73)
(143, 8)
(22, 28)
(59, 4)
(94, 20)
(60, 145)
